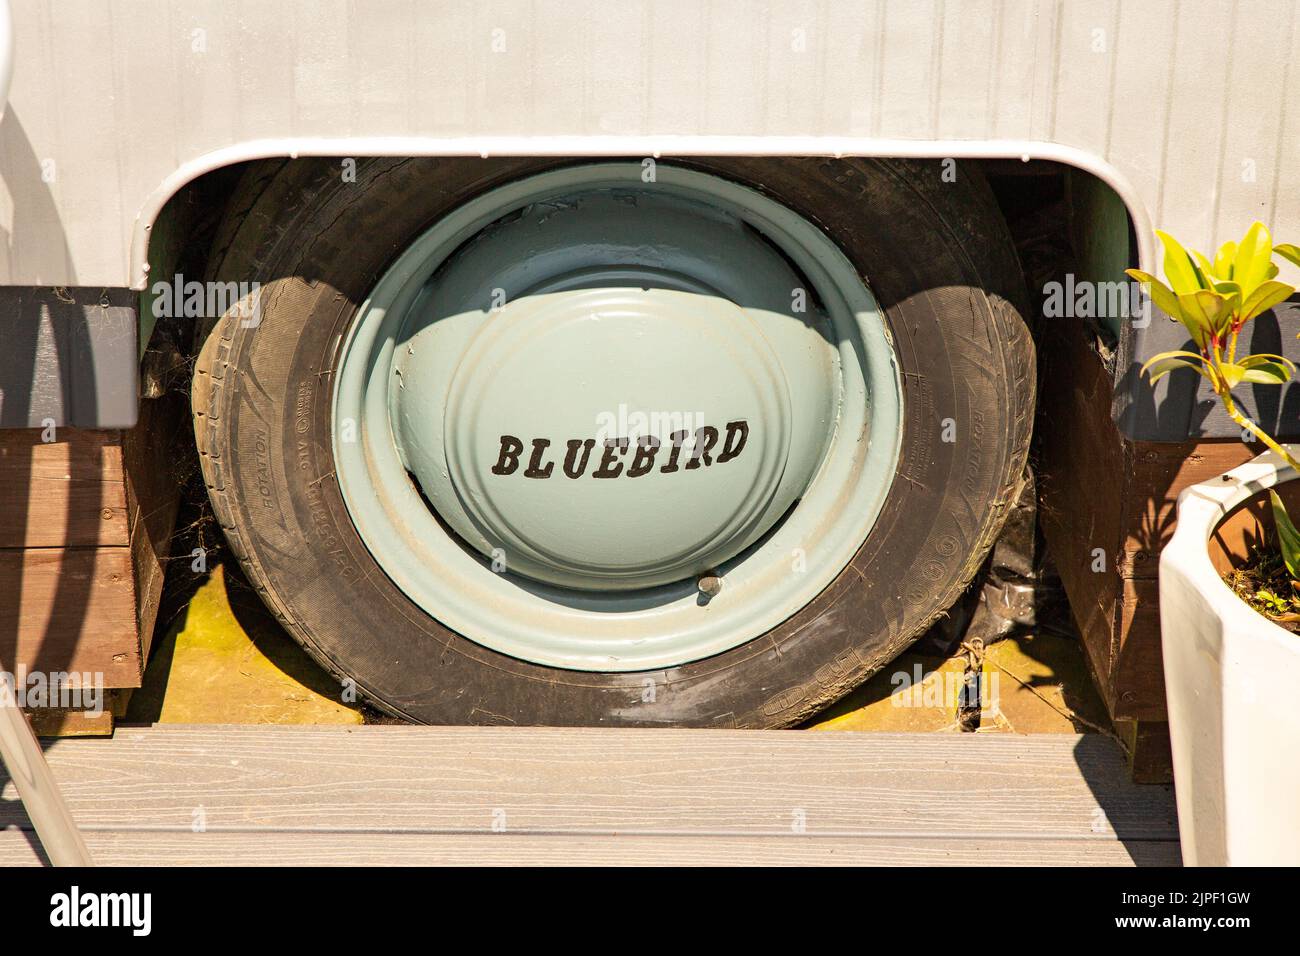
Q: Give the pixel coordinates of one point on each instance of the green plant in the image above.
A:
(1274, 603)
(1287, 536)
(1214, 300)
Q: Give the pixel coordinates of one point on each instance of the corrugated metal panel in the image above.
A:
(1186, 100)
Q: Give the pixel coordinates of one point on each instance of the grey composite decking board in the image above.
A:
(342, 793)
(146, 848)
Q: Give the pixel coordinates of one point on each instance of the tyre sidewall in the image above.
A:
(962, 352)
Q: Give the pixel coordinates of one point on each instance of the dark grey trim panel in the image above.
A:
(68, 356)
(1182, 406)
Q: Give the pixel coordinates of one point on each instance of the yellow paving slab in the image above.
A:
(1040, 683)
(914, 693)
(1032, 683)
(227, 661)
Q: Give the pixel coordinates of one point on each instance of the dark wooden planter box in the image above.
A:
(1106, 495)
(84, 530)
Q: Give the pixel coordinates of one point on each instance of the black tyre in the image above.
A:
(936, 257)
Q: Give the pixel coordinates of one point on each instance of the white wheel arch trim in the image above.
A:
(657, 147)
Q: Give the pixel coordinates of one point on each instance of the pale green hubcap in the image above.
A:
(536, 454)
(580, 392)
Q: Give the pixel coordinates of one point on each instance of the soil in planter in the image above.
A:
(1264, 584)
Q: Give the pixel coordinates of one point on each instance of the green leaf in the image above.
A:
(1160, 293)
(1287, 536)
(1159, 366)
(1269, 373)
(1265, 296)
(1160, 369)
(1250, 267)
(1265, 358)
(1233, 375)
(1208, 310)
(1232, 293)
(1180, 269)
(1289, 251)
(1223, 260)
(1204, 270)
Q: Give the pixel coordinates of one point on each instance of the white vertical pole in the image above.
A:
(22, 756)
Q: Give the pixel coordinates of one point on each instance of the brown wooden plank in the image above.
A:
(66, 722)
(70, 609)
(1147, 742)
(1102, 491)
(153, 476)
(63, 493)
(65, 558)
(1082, 480)
(606, 781)
(1139, 675)
(144, 848)
(1160, 472)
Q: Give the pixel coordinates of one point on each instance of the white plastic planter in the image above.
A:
(1233, 684)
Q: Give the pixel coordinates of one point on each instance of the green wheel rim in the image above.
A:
(597, 309)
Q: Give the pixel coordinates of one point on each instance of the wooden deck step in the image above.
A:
(387, 794)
